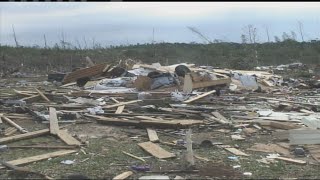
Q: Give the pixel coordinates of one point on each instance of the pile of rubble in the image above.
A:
(181, 100)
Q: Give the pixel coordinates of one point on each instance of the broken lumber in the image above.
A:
(123, 175)
(187, 84)
(199, 96)
(21, 129)
(54, 127)
(121, 104)
(189, 155)
(136, 157)
(67, 138)
(156, 150)
(85, 72)
(42, 95)
(24, 136)
(236, 152)
(152, 134)
(296, 161)
(42, 147)
(146, 123)
(304, 136)
(31, 159)
(220, 117)
(120, 108)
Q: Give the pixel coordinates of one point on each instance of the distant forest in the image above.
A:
(245, 55)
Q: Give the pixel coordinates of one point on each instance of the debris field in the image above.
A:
(147, 121)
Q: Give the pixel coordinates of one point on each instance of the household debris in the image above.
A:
(168, 112)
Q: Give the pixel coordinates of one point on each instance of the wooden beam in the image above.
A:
(85, 72)
(67, 138)
(197, 85)
(199, 96)
(152, 134)
(120, 108)
(236, 152)
(156, 150)
(42, 95)
(189, 155)
(296, 161)
(187, 84)
(136, 157)
(21, 129)
(54, 126)
(123, 175)
(121, 104)
(31, 159)
(24, 136)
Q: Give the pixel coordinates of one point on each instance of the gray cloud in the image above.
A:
(117, 23)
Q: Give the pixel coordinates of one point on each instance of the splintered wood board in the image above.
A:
(199, 97)
(67, 138)
(39, 157)
(236, 152)
(296, 161)
(156, 150)
(187, 85)
(152, 134)
(123, 175)
(121, 104)
(86, 72)
(54, 127)
(42, 95)
(24, 136)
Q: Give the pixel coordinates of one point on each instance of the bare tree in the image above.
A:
(45, 41)
(300, 29)
(293, 36)
(193, 29)
(267, 31)
(78, 43)
(15, 37)
(244, 39)
(85, 42)
(250, 33)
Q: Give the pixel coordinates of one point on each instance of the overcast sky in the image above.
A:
(114, 23)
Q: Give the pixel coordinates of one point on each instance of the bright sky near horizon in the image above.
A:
(115, 23)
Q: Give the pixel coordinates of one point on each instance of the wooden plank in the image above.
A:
(296, 161)
(152, 134)
(236, 152)
(221, 121)
(187, 84)
(21, 129)
(30, 97)
(197, 85)
(123, 175)
(156, 150)
(42, 147)
(136, 157)
(54, 127)
(189, 155)
(42, 95)
(121, 104)
(219, 116)
(120, 108)
(67, 138)
(304, 136)
(24, 136)
(148, 123)
(199, 96)
(85, 72)
(31, 159)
